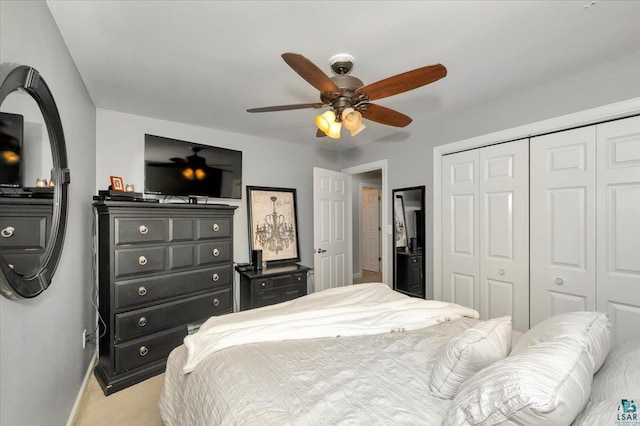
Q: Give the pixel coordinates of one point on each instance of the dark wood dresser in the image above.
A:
(410, 277)
(162, 270)
(25, 224)
(271, 285)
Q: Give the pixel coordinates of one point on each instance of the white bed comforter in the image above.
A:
(357, 310)
(369, 379)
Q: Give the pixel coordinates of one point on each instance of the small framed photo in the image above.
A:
(273, 224)
(117, 183)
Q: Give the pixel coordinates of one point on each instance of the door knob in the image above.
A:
(320, 251)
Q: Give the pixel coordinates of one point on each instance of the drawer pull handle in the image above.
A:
(559, 281)
(299, 278)
(215, 277)
(216, 302)
(142, 260)
(216, 252)
(142, 321)
(142, 290)
(263, 284)
(8, 231)
(143, 229)
(143, 351)
(215, 227)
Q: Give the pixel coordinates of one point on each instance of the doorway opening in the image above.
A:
(369, 230)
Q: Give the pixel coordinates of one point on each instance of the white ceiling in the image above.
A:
(206, 62)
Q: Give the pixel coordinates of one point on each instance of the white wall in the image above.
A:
(410, 150)
(120, 150)
(42, 363)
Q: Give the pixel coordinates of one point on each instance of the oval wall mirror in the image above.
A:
(34, 180)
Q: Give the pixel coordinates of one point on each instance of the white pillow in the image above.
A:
(619, 377)
(595, 327)
(545, 384)
(465, 355)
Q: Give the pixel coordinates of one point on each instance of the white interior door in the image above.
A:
(504, 232)
(618, 234)
(460, 237)
(563, 223)
(332, 240)
(370, 233)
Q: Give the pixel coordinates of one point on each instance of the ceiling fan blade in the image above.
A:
(286, 107)
(384, 115)
(310, 72)
(403, 82)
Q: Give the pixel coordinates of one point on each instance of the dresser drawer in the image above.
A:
(153, 289)
(139, 261)
(214, 252)
(146, 350)
(214, 228)
(140, 230)
(142, 322)
(181, 229)
(23, 232)
(278, 281)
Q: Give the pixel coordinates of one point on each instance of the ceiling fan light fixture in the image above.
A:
(358, 130)
(334, 130)
(324, 121)
(351, 118)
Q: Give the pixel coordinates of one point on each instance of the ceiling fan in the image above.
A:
(348, 98)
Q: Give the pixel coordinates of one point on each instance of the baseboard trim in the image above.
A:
(76, 405)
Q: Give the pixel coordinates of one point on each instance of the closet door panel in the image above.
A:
(460, 228)
(619, 225)
(504, 232)
(563, 223)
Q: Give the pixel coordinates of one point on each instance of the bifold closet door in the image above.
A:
(619, 226)
(504, 232)
(485, 230)
(460, 229)
(563, 223)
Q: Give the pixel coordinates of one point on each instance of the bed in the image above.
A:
(368, 355)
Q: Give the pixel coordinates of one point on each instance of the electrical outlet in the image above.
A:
(84, 338)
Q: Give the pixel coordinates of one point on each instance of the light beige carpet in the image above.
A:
(135, 405)
(368, 277)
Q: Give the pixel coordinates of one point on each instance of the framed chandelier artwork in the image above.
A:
(273, 223)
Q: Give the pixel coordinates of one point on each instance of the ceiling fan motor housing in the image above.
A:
(341, 64)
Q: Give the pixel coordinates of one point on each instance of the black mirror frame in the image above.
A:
(422, 190)
(14, 286)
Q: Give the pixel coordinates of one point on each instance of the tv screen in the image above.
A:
(181, 168)
(11, 163)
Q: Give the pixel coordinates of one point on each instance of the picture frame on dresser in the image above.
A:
(273, 224)
(117, 184)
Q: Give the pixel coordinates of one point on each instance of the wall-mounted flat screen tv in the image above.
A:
(11, 161)
(181, 168)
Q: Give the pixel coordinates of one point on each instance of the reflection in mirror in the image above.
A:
(35, 157)
(25, 167)
(409, 240)
(34, 180)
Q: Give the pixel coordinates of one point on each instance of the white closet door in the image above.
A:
(504, 232)
(460, 256)
(563, 223)
(619, 226)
